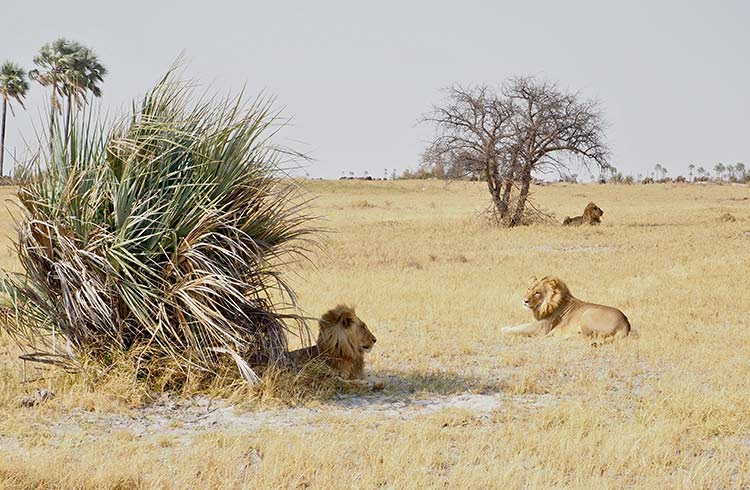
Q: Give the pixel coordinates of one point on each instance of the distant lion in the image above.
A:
(592, 215)
(556, 310)
(343, 340)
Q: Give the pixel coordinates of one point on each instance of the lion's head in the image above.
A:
(545, 296)
(345, 339)
(592, 213)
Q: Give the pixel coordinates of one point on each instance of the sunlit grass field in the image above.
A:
(462, 405)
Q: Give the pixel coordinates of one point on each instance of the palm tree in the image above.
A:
(72, 70)
(740, 168)
(691, 167)
(730, 171)
(86, 75)
(52, 59)
(13, 85)
(719, 169)
(661, 171)
(701, 171)
(657, 170)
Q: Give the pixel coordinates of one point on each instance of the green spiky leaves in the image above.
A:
(169, 230)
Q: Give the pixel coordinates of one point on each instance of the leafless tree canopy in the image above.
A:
(506, 136)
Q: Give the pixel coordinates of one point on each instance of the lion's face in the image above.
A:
(544, 296)
(593, 212)
(343, 333)
(359, 334)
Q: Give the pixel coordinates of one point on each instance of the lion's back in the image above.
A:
(301, 356)
(601, 320)
(574, 221)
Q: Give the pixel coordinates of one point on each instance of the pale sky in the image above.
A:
(672, 76)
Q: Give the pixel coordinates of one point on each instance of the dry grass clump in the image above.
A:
(314, 381)
(162, 238)
(362, 204)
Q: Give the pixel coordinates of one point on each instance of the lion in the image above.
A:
(555, 309)
(591, 215)
(343, 341)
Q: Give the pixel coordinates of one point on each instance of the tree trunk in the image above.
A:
(493, 182)
(505, 202)
(497, 201)
(2, 136)
(525, 184)
(500, 190)
(53, 108)
(508, 179)
(67, 118)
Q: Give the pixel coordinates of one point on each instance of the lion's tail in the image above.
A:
(567, 220)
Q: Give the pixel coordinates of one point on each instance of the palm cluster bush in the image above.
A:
(165, 233)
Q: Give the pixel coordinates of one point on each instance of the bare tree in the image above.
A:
(552, 129)
(472, 138)
(527, 127)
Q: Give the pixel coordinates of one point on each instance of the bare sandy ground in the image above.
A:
(173, 417)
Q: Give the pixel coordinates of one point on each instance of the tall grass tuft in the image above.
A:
(165, 232)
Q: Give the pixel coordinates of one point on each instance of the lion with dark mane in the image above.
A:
(556, 310)
(343, 340)
(592, 215)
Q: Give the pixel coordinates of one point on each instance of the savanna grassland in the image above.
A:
(462, 406)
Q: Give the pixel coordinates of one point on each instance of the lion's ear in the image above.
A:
(532, 280)
(346, 318)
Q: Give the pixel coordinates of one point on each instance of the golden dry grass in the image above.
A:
(462, 406)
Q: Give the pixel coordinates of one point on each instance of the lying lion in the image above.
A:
(556, 310)
(343, 340)
(592, 215)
